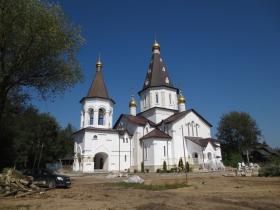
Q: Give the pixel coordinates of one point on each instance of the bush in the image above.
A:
(135, 171)
(188, 167)
(142, 167)
(164, 167)
(181, 165)
(158, 170)
(147, 170)
(270, 169)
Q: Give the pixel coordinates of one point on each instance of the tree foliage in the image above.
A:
(237, 131)
(31, 139)
(38, 47)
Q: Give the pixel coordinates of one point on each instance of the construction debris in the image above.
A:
(134, 179)
(13, 183)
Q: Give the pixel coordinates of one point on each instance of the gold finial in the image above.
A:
(181, 98)
(132, 102)
(98, 63)
(156, 45)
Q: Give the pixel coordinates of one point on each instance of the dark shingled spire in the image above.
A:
(98, 88)
(157, 74)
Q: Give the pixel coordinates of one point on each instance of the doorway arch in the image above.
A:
(101, 161)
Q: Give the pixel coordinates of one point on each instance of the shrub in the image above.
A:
(181, 164)
(270, 169)
(142, 167)
(147, 170)
(158, 170)
(164, 167)
(188, 167)
(135, 171)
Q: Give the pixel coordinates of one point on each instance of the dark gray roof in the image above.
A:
(179, 115)
(138, 120)
(157, 74)
(203, 142)
(98, 87)
(156, 133)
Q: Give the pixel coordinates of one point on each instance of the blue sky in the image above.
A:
(224, 55)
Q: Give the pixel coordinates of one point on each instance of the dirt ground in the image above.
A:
(206, 191)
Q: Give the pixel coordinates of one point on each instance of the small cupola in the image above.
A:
(132, 106)
(181, 102)
(156, 47)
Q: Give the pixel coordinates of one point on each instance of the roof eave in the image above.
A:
(86, 97)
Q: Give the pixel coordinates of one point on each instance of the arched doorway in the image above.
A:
(101, 161)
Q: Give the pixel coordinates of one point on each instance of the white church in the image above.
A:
(163, 130)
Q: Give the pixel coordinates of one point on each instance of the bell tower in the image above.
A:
(97, 106)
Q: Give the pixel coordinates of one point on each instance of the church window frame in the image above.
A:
(91, 116)
(101, 116)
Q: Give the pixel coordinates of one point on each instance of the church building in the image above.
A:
(163, 130)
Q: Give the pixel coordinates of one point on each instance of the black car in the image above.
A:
(48, 178)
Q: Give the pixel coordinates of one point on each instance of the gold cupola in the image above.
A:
(156, 46)
(98, 63)
(132, 102)
(181, 98)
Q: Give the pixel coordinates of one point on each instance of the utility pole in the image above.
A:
(119, 154)
(184, 155)
(42, 146)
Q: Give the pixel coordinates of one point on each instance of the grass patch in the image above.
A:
(153, 187)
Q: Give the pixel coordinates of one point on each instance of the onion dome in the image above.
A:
(98, 64)
(132, 102)
(181, 99)
(156, 46)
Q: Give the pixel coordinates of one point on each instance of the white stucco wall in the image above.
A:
(96, 104)
(163, 98)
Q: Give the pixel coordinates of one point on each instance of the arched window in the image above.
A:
(91, 113)
(101, 114)
(195, 155)
(209, 155)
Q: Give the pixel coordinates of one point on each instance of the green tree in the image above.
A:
(37, 49)
(31, 139)
(181, 164)
(237, 131)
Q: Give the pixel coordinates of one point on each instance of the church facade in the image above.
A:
(163, 130)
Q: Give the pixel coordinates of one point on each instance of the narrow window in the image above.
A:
(123, 140)
(170, 99)
(156, 98)
(146, 153)
(147, 130)
(126, 140)
(164, 152)
(101, 114)
(124, 158)
(91, 116)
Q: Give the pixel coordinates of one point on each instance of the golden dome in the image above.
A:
(156, 46)
(132, 102)
(181, 99)
(98, 64)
